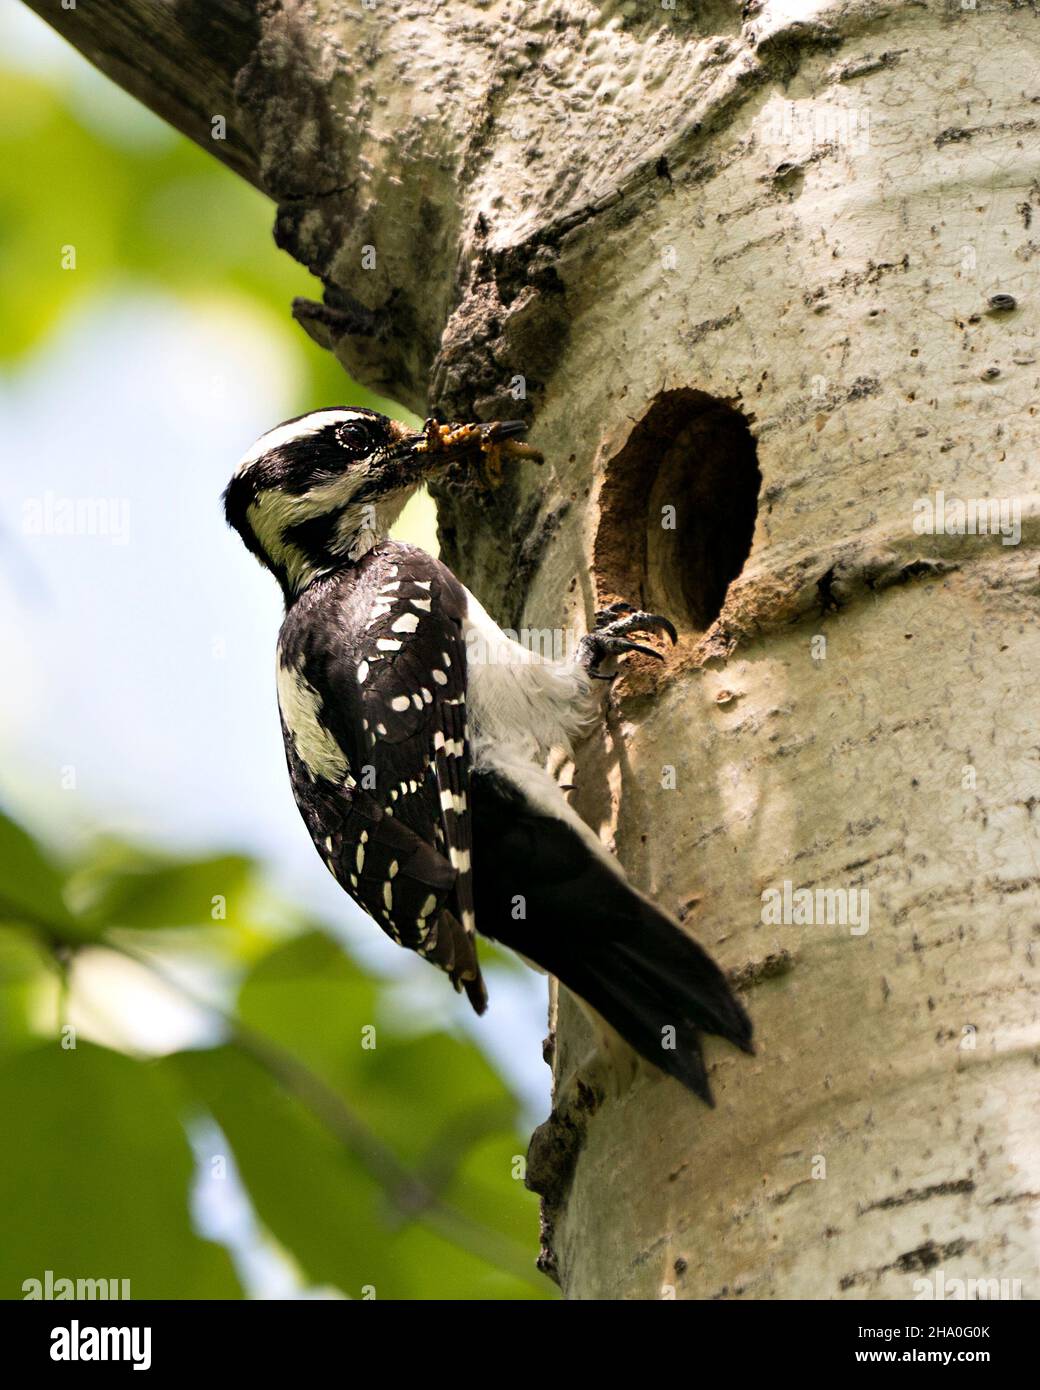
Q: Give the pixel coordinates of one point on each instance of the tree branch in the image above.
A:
(179, 58)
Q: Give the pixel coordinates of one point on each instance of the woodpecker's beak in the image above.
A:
(440, 444)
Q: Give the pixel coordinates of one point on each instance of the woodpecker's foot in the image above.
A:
(610, 637)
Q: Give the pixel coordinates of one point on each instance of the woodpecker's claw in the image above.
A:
(621, 618)
(610, 636)
(503, 429)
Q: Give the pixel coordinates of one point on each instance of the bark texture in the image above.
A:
(781, 255)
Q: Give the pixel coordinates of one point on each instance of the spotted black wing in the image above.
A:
(392, 687)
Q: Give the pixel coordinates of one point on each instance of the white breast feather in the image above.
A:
(522, 706)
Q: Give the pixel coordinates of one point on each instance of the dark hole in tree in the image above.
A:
(693, 453)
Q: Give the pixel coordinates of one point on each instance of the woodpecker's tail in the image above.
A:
(543, 890)
(656, 987)
(455, 950)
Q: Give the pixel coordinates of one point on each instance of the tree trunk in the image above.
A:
(743, 268)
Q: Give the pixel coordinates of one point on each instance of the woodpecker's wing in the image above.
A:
(392, 685)
(412, 675)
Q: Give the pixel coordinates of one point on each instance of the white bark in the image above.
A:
(802, 212)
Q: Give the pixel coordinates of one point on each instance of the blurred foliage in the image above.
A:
(393, 1167)
(158, 211)
(144, 207)
(96, 1184)
(377, 1159)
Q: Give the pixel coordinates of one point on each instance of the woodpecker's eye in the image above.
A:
(360, 437)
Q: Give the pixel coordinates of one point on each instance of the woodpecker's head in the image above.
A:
(317, 492)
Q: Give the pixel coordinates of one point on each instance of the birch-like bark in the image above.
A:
(778, 257)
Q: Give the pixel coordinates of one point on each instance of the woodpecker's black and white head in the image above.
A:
(319, 491)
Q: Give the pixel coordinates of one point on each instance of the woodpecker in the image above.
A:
(417, 735)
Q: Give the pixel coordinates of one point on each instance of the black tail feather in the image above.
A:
(684, 971)
(585, 924)
(656, 987)
(635, 1009)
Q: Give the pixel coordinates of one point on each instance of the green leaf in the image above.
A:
(95, 1175)
(311, 998)
(321, 1204)
(127, 888)
(21, 959)
(23, 971)
(312, 1195)
(435, 1101)
(30, 885)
